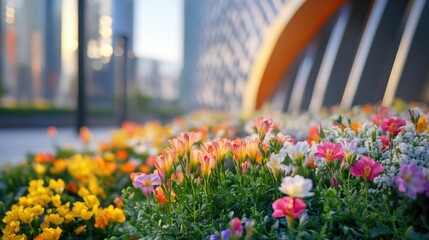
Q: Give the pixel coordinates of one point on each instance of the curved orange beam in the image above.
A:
(288, 35)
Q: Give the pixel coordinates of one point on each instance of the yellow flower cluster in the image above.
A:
(43, 206)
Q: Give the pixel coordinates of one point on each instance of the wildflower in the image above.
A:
(178, 146)
(263, 126)
(275, 163)
(313, 135)
(208, 162)
(218, 147)
(411, 180)
(80, 229)
(44, 157)
(52, 131)
(393, 125)
(146, 182)
(334, 182)
(122, 155)
(385, 142)
(85, 135)
(49, 234)
(297, 152)
(288, 207)
(350, 149)
(377, 119)
(57, 185)
(296, 186)
(225, 234)
(194, 161)
(421, 124)
(159, 195)
(330, 152)
(252, 148)
(189, 139)
(367, 168)
(236, 228)
(238, 149)
(164, 163)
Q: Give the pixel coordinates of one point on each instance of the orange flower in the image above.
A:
(208, 162)
(190, 138)
(313, 135)
(252, 148)
(122, 154)
(102, 220)
(159, 195)
(144, 169)
(52, 131)
(71, 187)
(85, 134)
(150, 161)
(310, 163)
(421, 124)
(356, 126)
(218, 147)
(238, 148)
(44, 157)
(164, 163)
(367, 108)
(128, 167)
(178, 146)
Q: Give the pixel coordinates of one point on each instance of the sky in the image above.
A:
(158, 29)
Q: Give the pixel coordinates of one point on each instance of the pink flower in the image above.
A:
(385, 142)
(218, 147)
(411, 180)
(263, 126)
(146, 182)
(236, 228)
(239, 150)
(393, 125)
(330, 152)
(189, 139)
(367, 168)
(288, 207)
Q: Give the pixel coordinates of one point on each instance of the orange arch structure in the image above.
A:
(296, 24)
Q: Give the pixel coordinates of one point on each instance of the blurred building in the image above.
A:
(38, 49)
(302, 55)
(221, 40)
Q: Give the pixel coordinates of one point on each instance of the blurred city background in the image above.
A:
(99, 62)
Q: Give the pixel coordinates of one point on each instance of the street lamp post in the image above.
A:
(81, 96)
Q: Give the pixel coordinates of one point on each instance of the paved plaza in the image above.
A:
(15, 144)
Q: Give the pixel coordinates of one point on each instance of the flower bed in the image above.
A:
(359, 174)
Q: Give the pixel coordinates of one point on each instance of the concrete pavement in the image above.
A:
(16, 143)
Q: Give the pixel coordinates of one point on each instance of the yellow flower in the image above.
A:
(117, 215)
(80, 229)
(109, 156)
(11, 228)
(46, 222)
(57, 185)
(26, 216)
(81, 210)
(37, 210)
(39, 168)
(49, 234)
(63, 209)
(56, 200)
(83, 192)
(56, 219)
(91, 201)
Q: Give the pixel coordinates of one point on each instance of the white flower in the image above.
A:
(296, 186)
(275, 163)
(298, 150)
